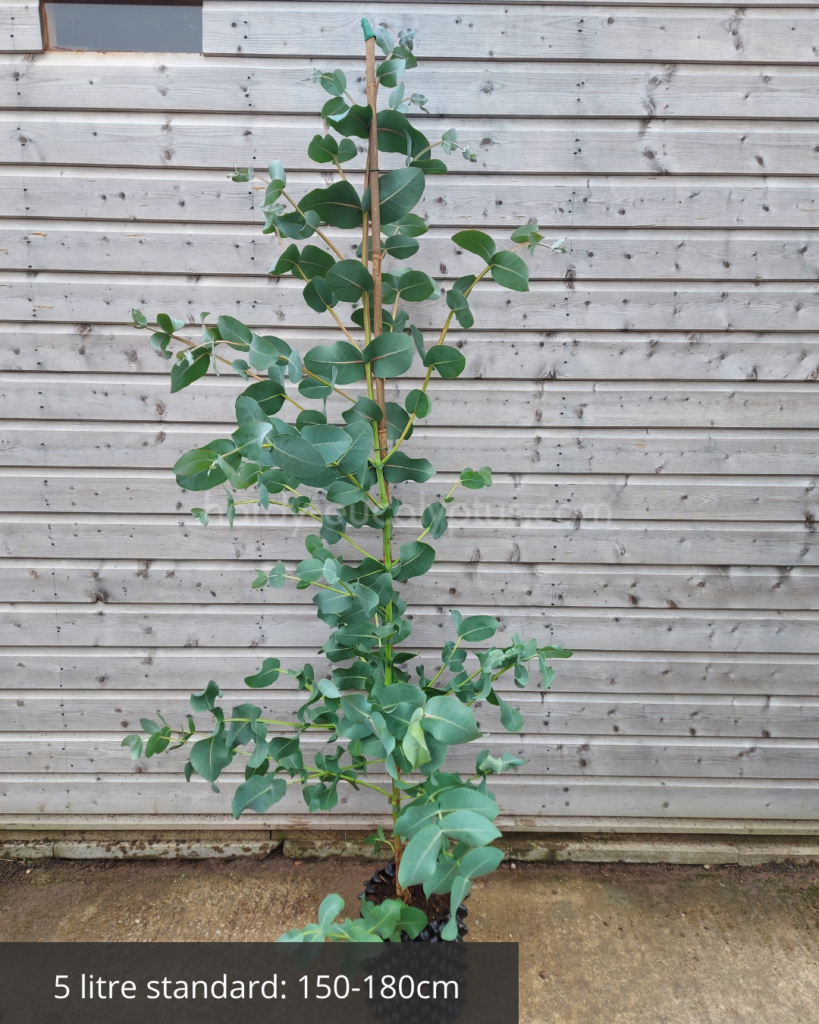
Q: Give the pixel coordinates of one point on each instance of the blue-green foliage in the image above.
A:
(382, 724)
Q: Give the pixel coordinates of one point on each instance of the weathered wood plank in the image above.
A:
(499, 404)
(527, 799)
(549, 714)
(20, 30)
(560, 202)
(572, 88)
(554, 450)
(649, 305)
(568, 146)
(160, 581)
(237, 626)
(578, 755)
(606, 673)
(550, 496)
(37, 535)
(530, 355)
(635, 254)
(528, 31)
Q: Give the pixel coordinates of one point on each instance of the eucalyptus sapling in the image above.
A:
(381, 726)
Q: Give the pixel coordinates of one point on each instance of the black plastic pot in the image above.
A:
(432, 932)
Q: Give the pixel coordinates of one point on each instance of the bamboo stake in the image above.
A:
(375, 232)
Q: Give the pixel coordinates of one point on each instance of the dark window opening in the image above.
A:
(174, 27)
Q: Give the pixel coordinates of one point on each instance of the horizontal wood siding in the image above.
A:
(20, 30)
(593, 254)
(521, 31)
(559, 200)
(522, 145)
(487, 88)
(650, 405)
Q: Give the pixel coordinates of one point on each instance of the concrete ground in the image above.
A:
(599, 944)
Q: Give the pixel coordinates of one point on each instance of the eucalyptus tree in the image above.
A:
(383, 726)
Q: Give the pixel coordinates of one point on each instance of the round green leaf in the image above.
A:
(210, 756)
(297, 457)
(401, 247)
(334, 108)
(397, 421)
(347, 149)
(364, 410)
(525, 232)
(266, 351)
(475, 480)
(400, 693)
(399, 191)
(318, 296)
(430, 166)
(434, 519)
(355, 122)
(348, 279)
(415, 817)
(323, 149)
(332, 905)
(400, 467)
(341, 356)
(476, 241)
(269, 395)
(195, 461)
(269, 672)
(334, 82)
(467, 798)
(344, 492)
(287, 262)
(390, 354)
(292, 225)
(469, 827)
(441, 882)
(418, 402)
(204, 479)
(459, 305)
(511, 718)
(314, 262)
(509, 271)
(482, 861)
(250, 437)
(338, 205)
(330, 441)
(450, 721)
(359, 451)
(393, 131)
(420, 856)
(410, 224)
(475, 628)
(258, 793)
(311, 388)
(389, 71)
(416, 559)
(460, 889)
(448, 361)
(362, 514)
(416, 286)
(233, 331)
(184, 372)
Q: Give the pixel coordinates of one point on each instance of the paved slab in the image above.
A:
(599, 944)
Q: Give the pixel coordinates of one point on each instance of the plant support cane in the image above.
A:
(369, 723)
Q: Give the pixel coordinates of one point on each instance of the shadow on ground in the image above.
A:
(599, 944)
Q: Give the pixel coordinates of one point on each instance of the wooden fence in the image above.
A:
(654, 413)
